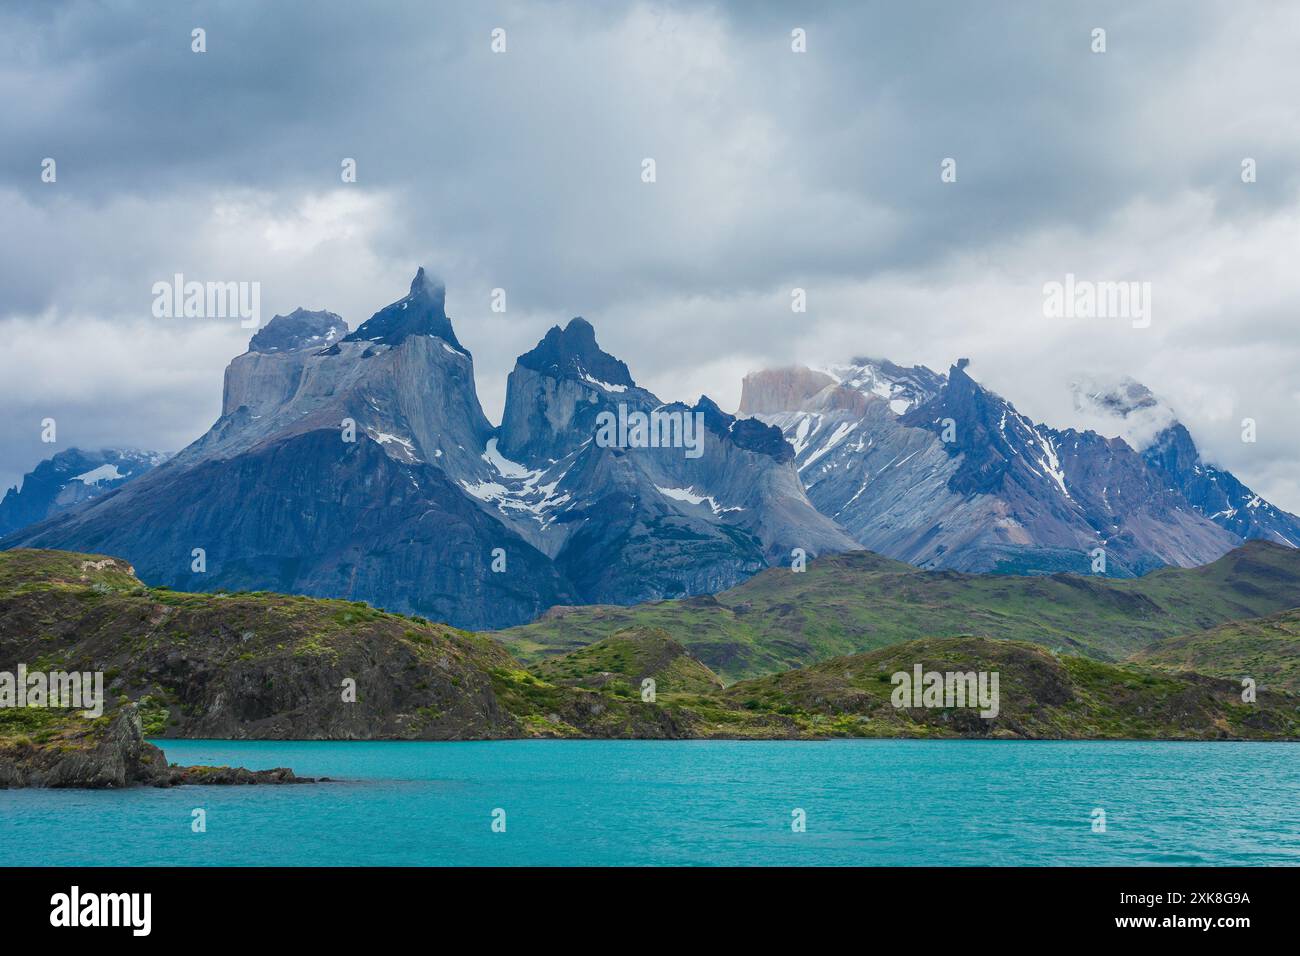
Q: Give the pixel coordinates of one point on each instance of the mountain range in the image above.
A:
(938, 471)
(68, 479)
(359, 464)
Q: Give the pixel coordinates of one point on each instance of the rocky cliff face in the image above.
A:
(402, 378)
(272, 370)
(109, 753)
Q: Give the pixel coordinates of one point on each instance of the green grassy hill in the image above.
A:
(271, 666)
(849, 603)
(1266, 649)
(620, 663)
(1041, 696)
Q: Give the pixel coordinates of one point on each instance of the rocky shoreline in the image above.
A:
(111, 753)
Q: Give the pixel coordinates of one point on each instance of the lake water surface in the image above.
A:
(867, 802)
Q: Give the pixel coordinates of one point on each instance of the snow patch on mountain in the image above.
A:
(406, 446)
(606, 386)
(515, 489)
(96, 475)
(901, 388)
(689, 496)
(1051, 463)
(842, 431)
(506, 467)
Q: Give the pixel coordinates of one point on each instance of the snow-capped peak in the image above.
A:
(902, 388)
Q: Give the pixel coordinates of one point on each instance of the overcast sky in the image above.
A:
(775, 170)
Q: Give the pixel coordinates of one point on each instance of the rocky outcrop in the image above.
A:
(106, 753)
(235, 776)
(110, 753)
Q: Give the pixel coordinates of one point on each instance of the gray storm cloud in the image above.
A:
(775, 170)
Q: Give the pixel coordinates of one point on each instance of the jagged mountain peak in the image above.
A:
(557, 389)
(987, 431)
(1215, 492)
(903, 388)
(1123, 408)
(1121, 396)
(301, 328)
(423, 282)
(750, 434)
(422, 312)
(573, 352)
(962, 388)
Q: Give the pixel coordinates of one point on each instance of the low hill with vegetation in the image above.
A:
(274, 666)
(1265, 649)
(850, 603)
(271, 666)
(622, 661)
(1040, 696)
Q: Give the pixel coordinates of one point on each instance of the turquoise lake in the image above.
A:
(688, 803)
